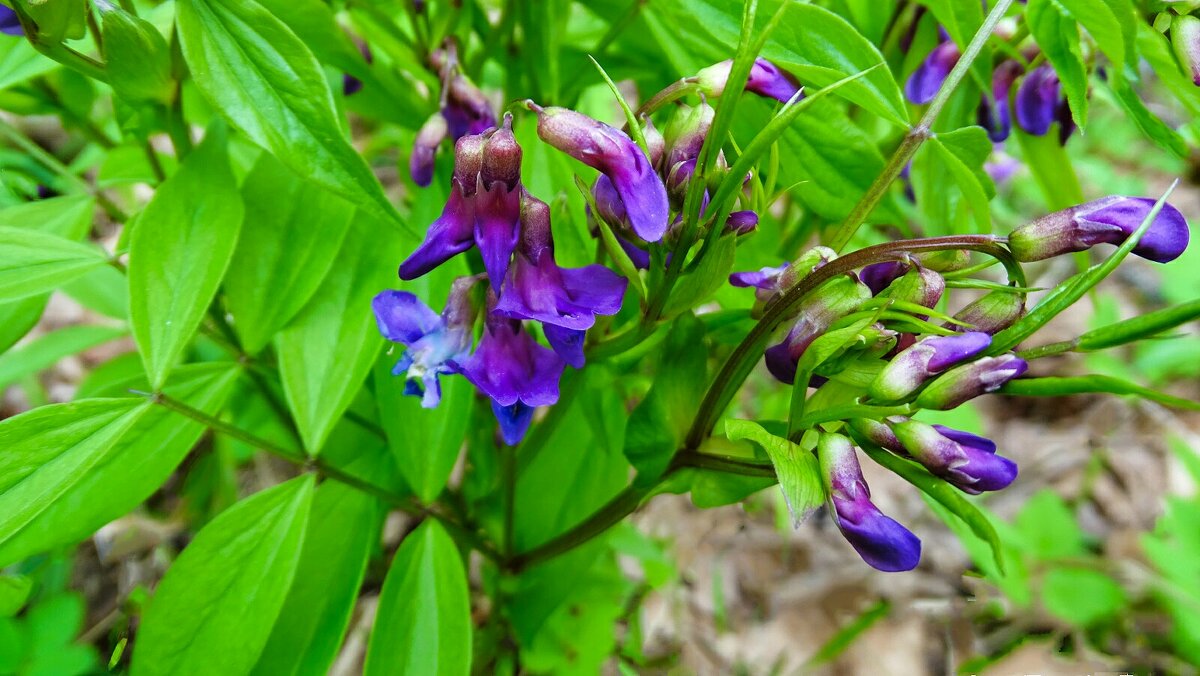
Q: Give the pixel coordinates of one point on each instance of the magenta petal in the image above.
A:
(451, 234)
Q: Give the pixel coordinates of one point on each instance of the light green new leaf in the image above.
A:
(798, 471)
(47, 451)
(423, 625)
(292, 233)
(262, 78)
(34, 262)
(328, 349)
(136, 57)
(343, 529)
(213, 610)
(126, 472)
(180, 247)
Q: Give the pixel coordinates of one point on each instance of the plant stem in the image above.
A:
(508, 468)
(918, 134)
(612, 513)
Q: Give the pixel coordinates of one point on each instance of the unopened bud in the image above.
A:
(964, 459)
(991, 314)
(1185, 38)
(963, 383)
(501, 157)
(910, 369)
(1110, 220)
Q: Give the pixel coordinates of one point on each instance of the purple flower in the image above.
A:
(964, 459)
(882, 542)
(1109, 219)
(994, 115)
(1039, 103)
(1185, 38)
(878, 276)
(765, 79)
(684, 136)
(433, 342)
(515, 372)
(10, 24)
(615, 155)
(917, 284)
(537, 288)
(467, 110)
(454, 231)
(963, 383)
(1001, 167)
(927, 79)
(425, 145)
(910, 369)
(839, 297)
(656, 144)
(742, 222)
(992, 313)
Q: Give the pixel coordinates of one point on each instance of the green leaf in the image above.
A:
(1059, 387)
(423, 625)
(343, 530)
(659, 423)
(34, 262)
(945, 494)
(291, 235)
(48, 349)
(21, 62)
(50, 449)
(425, 442)
(1051, 167)
(315, 23)
(213, 610)
(125, 472)
(179, 250)
(796, 467)
(14, 592)
(56, 20)
(328, 349)
(253, 69)
(960, 19)
(960, 154)
(1150, 124)
(136, 57)
(709, 275)
(1142, 326)
(1081, 596)
(816, 45)
(1058, 35)
(1048, 527)
(1111, 23)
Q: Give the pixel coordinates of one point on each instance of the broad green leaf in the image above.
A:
(659, 423)
(1081, 596)
(425, 442)
(960, 19)
(48, 450)
(48, 349)
(796, 467)
(34, 262)
(212, 612)
(816, 45)
(104, 290)
(1062, 386)
(20, 62)
(709, 276)
(1048, 529)
(960, 155)
(136, 57)
(328, 349)
(342, 531)
(127, 470)
(14, 591)
(179, 250)
(254, 70)
(1111, 23)
(1057, 34)
(945, 494)
(423, 625)
(291, 235)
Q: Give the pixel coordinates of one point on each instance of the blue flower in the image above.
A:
(434, 342)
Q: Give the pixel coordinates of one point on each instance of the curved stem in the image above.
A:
(918, 134)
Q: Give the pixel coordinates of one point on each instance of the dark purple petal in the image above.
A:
(425, 145)
(877, 276)
(763, 278)
(497, 228)
(911, 368)
(964, 459)
(927, 79)
(9, 23)
(742, 222)
(615, 155)
(946, 351)
(403, 318)
(766, 79)
(608, 203)
(567, 343)
(514, 421)
(509, 366)
(967, 439)
(467, 110)
(994, 112)
(639, 256)
(1037, 101)
(451, 234)
(1111, 220)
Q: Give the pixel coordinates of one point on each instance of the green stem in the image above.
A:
(1048, 350)
(918, 134)
(612, 513)
(508, 468)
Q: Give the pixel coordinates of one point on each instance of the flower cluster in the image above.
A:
(489, 210)
(897, 358)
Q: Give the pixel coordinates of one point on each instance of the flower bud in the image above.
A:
(991, 314)
(878, 433)
(501, 157)
(927, 79)
(615, 155)
(882, 542)
(910, 369)
(970, 380)
(770, 281)
(468, 161)
(10, 24)
(961, 458)
(919, 285)
(655, 143)
(742, 222)
(945, 261)
(765, 79)
(678, 179)
(1185, 38)
(1109, 219)
(467, 110)
(429, 137)
(684, 136)
(838, 297)
(1039, 101)
(993, 112)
